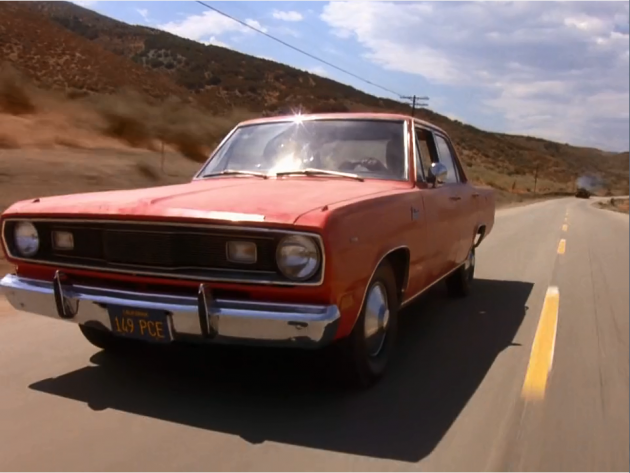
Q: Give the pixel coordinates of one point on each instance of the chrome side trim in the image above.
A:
(228, 321)
(422, 291)
(139, 271)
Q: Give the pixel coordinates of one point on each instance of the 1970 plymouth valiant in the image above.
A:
(302, 231)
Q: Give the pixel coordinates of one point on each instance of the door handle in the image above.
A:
(475, 195)
(455, 197)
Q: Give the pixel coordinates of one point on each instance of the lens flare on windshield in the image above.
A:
(285, 163)
(297, 118)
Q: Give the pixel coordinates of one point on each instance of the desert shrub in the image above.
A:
(333, 107)
(74, 94)
(147, 171)
(133, 119)
(7, 142)
(15, 92)
(127, 117)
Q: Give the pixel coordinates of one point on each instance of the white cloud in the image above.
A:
(318, 70)
(558, 70)
(208, 24)
(287, 31)
(287, 15)
(255, 24)
(85, 3)
(215, 42)
(144, 13)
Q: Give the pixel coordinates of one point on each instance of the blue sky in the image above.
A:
(557, 70)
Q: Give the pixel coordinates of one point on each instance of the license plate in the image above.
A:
(143, 324)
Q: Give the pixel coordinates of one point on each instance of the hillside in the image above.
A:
(54, 57)
(61, 45)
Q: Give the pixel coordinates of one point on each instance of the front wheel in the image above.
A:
(366, 352)
(459, 283)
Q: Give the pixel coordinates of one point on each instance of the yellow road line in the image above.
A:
(541, 357)
(565, 227)
(562, 246)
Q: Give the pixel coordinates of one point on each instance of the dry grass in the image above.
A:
(15, 96)
(49, 119)
(131, 118)
(7, 142)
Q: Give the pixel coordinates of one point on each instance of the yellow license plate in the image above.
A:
(143, 324)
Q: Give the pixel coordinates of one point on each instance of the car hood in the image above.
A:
(234, 199)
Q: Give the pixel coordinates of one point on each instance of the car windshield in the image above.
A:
(371, 149)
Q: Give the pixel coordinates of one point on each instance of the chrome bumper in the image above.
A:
(200, 318)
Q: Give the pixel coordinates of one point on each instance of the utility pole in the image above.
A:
(414, 102)
(536, 177)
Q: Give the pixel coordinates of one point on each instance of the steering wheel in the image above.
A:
(371, 164)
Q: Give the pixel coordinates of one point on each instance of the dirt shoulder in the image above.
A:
(616, 204)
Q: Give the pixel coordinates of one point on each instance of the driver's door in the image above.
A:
(437, 242)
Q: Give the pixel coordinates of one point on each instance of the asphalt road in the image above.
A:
(456, 397)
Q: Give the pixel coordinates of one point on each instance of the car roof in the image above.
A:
(346, 115)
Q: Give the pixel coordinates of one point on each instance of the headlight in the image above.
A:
(298, 257)
(26, 239)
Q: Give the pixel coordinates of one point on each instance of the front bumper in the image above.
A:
(201, 318)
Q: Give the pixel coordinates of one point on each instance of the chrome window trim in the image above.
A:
(417, 159)
(268, 231)
(407, 151)
(453, 157)
(457, 162)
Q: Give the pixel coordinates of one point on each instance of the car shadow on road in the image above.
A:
(446, 348)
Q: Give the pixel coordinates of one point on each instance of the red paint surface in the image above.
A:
(280, 201)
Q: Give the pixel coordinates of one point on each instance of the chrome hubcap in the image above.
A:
(376, 318)
(470, 261)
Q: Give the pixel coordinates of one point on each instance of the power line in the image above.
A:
(298, 49)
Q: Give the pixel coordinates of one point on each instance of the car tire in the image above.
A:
(363, 358)
(102, 338)
(459, 283)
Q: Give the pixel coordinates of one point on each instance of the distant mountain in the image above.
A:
(60, 44)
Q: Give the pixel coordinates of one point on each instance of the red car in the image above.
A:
(299, 231)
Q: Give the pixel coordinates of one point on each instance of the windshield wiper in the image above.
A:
(315, 172)
(233, 172)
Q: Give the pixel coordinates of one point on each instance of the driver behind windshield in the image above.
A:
(292, 149)
(392, 162)
(368, 148)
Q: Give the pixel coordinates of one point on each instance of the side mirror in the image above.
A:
(438, 172)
